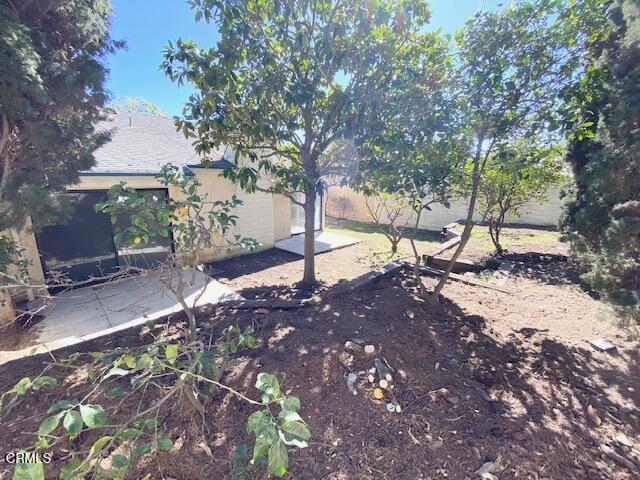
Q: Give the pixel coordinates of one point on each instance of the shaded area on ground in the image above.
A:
(517, 388)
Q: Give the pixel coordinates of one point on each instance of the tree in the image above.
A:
(516, 174)
(414, 144)
(280, 85)
(388, 212)
(51, 97)
(514, 64)
(137, 105)
(602, 220)
(341, 205)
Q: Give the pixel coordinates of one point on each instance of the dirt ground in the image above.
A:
(484, 376)
(275, 273)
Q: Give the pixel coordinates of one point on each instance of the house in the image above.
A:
(84, 248)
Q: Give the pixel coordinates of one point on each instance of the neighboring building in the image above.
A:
(141, 144)
(343, 202)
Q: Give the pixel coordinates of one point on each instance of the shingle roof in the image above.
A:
(141, 144)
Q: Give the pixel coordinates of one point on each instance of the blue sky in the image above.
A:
(148, 25)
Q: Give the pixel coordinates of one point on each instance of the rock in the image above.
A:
(261, 311)
(351, 380)
(622, 439)
(509, 366)
(346, 359)
(603, 345)
(352, 346)
(436, 445)
(409, 314)
(369, 349)
(593, 416)
(487, 470)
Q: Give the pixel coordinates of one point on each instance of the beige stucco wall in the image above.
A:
(545, 214)
(263, 217)
(281, 217)
(27, 241)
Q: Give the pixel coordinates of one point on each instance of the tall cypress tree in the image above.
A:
(603, 218)
(52, 92)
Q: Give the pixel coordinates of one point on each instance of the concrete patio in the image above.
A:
(324, 242)
(91, 312)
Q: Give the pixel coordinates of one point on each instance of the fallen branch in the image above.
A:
(434, 272)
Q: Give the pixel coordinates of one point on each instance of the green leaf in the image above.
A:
(237, 460)
(129, 434)
(50, 424)
(290, 416)
(256, 421)
(278, 458)
(144, 361)
(73, 423)
(140, 450)
(94, 415)
(114, 392)
(28, 471)
(268, 384)
(42, 381)
(22, 386)
(290, 403)
(295, 433)
(119, 461)
(171, 352)
(164, 443)
(117, 372)
(100, 444)
(129, 360)
(61, 405)
(71, 471)
(260, 449)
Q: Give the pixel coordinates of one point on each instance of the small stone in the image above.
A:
(622, 439)
(437, 445)
(410, 314)
(354, 347)
(603, 345)
(593, 416)
(369, 349)
(346, 359)
(509, 366)
(261, 311)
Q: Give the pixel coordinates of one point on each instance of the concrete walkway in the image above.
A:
(324, 242)
(91, 312)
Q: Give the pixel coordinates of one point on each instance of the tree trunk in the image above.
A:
(7, 311)
(468, 225)
(494, 234)
(309, 277)
(416, 264)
